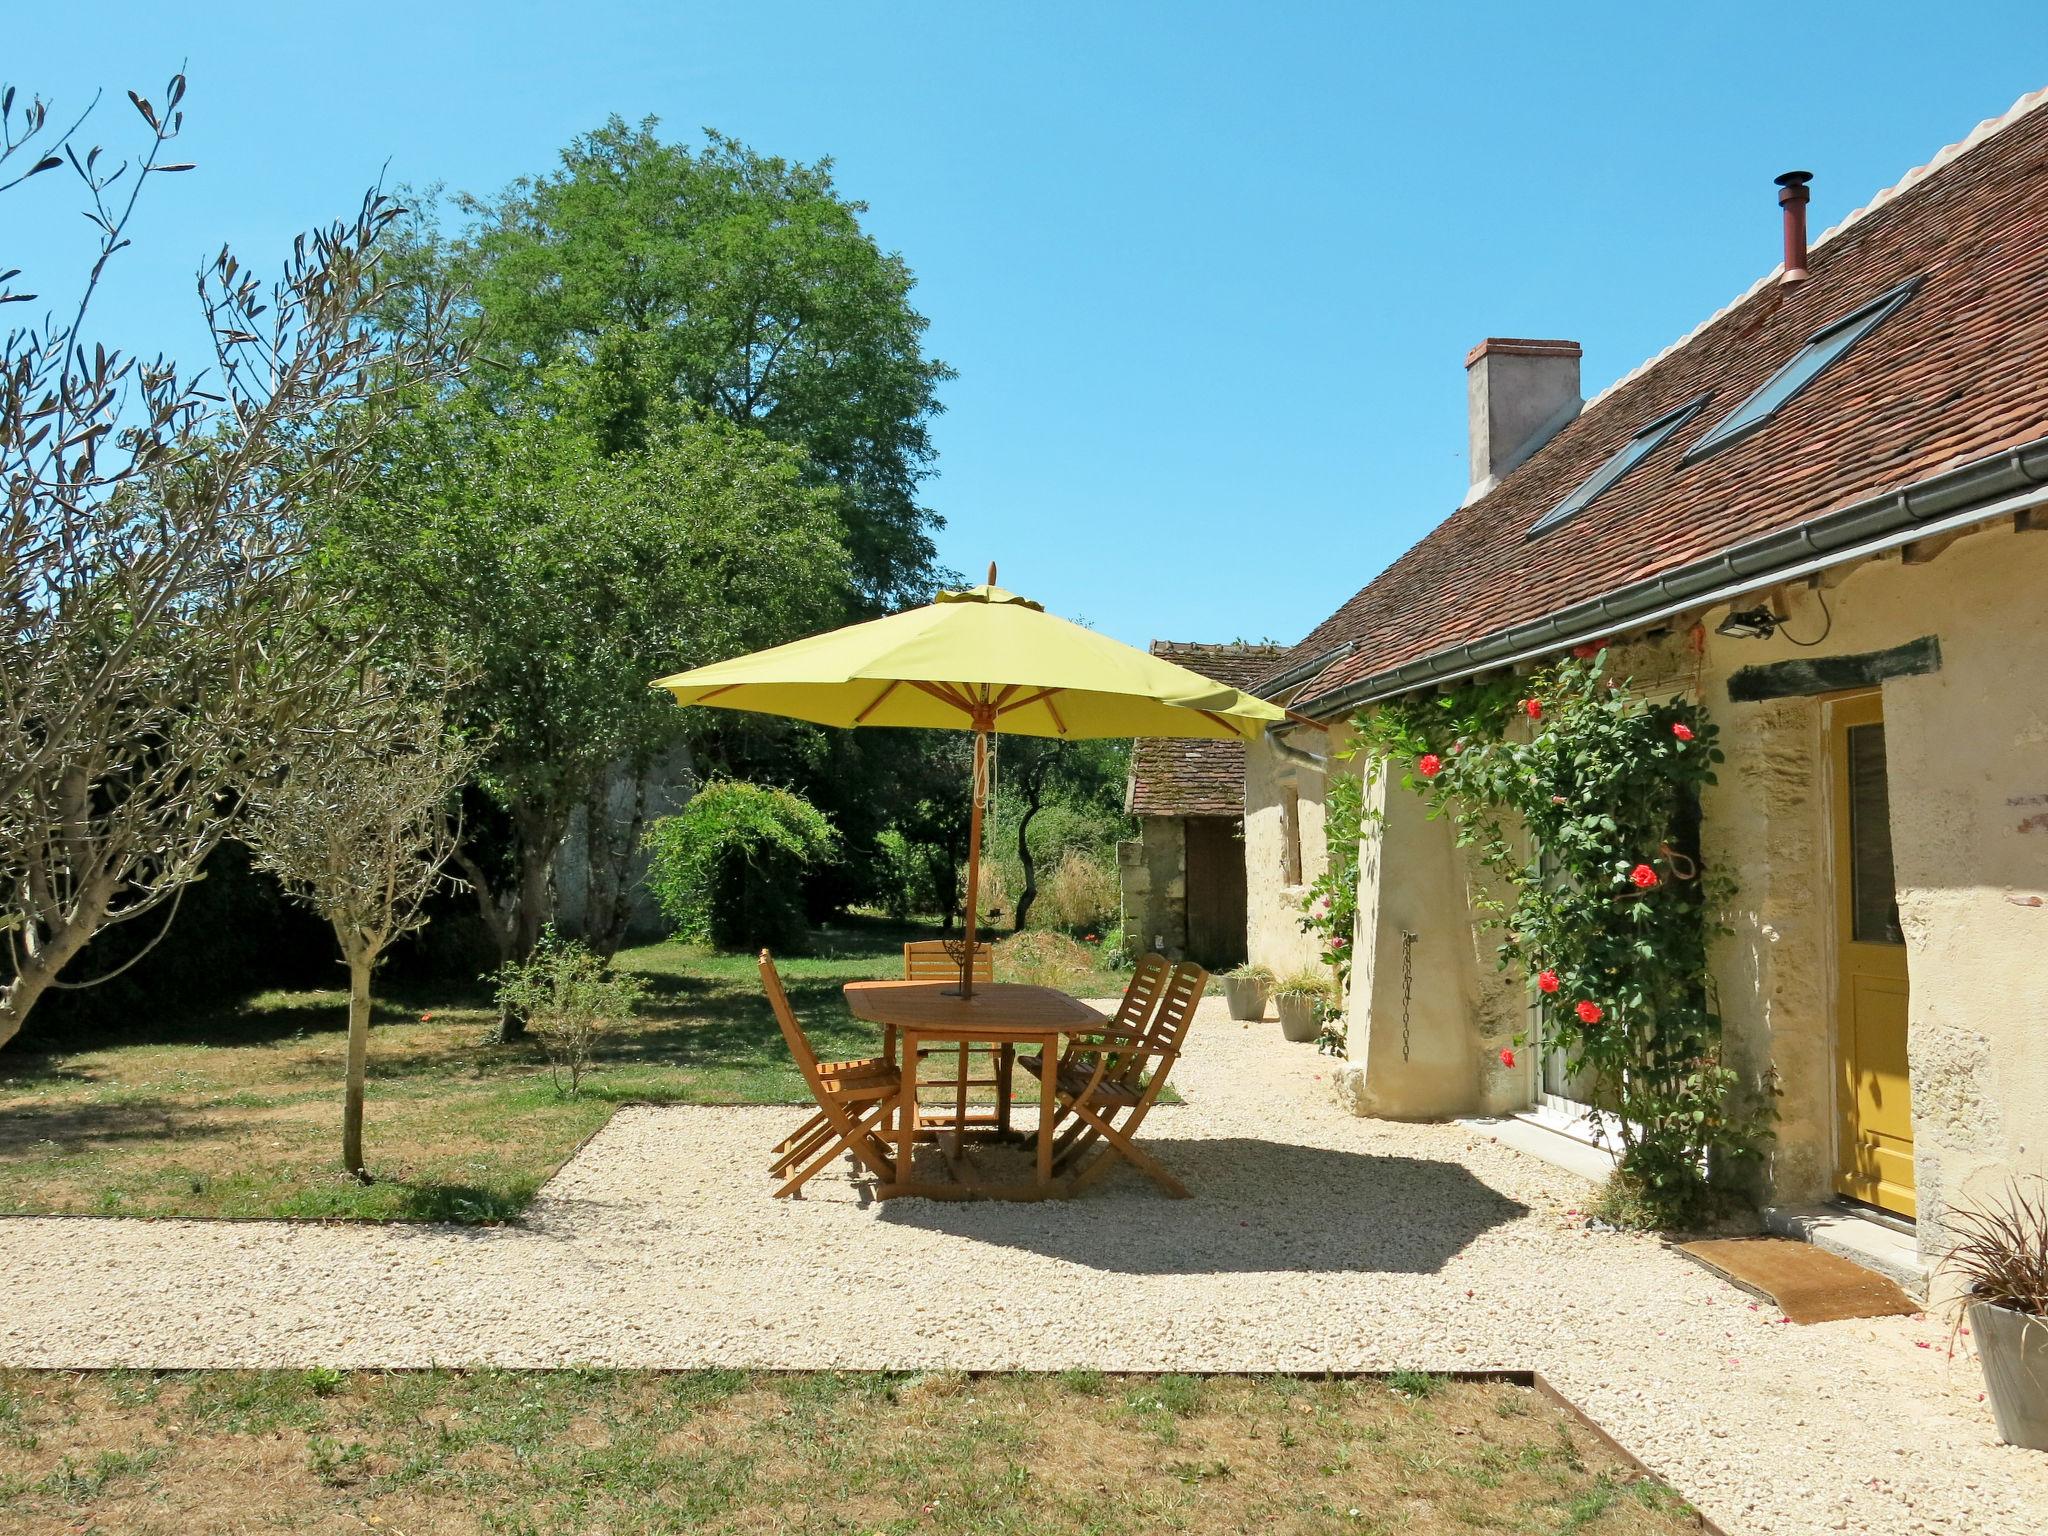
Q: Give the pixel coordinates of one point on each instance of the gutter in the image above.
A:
(2009, 482)
(1302, 671)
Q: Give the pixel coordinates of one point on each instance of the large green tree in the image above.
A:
(560, 579)
(737, 284)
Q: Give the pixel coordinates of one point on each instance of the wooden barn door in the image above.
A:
(1215, 891)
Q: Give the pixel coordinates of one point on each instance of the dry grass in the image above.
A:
(437, 1454)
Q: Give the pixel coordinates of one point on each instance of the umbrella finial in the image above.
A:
(991, 573)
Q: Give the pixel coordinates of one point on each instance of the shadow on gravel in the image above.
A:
(1258, 1206)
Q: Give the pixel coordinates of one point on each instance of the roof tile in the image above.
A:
(1197, 778)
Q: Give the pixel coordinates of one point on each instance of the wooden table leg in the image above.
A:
(906, 1115)
(1048, 1101)
(1006, 1068)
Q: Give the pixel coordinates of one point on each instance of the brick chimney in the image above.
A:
(1519, 393)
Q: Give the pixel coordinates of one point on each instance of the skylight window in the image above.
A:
(1824, 347)
(1619, 463)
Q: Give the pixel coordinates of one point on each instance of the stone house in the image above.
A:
(1824, 515)
(1183, 876)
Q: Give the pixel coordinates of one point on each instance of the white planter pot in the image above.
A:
(1246, 996)
(2013, 1349)
(1298, 1021)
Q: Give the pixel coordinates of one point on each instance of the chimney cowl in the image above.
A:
(1793, 197)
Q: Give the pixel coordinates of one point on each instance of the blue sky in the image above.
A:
(1208, 271)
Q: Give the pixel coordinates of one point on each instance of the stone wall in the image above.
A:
(1152, 868)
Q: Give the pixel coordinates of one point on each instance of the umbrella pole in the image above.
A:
(974, 862)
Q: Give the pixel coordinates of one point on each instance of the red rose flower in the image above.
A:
(1533, 708)
(1587, 652)
(1589, 1012)
(1430, 765)
(1682, 731)
(1643, 876)
(1507, 1056)
(1547, 980)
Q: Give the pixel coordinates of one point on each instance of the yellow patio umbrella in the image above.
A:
(983, 660)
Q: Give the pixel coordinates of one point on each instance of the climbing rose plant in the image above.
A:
(1329, 907)
(1581, 798)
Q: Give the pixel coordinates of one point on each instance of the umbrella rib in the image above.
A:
(945, 693)
(887, 689)
(1026, 702)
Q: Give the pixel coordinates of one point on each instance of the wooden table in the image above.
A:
(1002, 1014)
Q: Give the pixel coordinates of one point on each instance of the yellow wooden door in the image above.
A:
(1873, 1094)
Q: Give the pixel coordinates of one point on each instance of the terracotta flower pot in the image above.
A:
(1246, 996)
(2013, 1349)
(1298, 1021)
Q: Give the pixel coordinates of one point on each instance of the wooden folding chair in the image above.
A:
(1107, 1082)
(933, 960)
(855, 1100)
(1133, 1013)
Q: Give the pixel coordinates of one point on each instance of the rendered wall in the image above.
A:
(1967, 748)
(1272, 904)
(1967, 755)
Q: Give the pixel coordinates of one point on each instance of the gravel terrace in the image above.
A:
(1327, 1243)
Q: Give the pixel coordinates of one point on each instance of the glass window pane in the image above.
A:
(1618, 463)
(1821, 349)
(1873, 895)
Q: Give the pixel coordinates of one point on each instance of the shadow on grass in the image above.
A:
(75, 1128)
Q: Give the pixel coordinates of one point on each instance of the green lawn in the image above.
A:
(235, 1111)
(631, 1454)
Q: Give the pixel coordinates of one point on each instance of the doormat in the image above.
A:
(1809, 1284)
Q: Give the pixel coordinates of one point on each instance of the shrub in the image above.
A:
(1082, 892)
(570, 1001)
(1042, 959)
(729, 868)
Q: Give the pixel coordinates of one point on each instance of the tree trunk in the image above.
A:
(609, 847)
(40, 968)
(358, 1062)
(1034, 801)
(539, 835)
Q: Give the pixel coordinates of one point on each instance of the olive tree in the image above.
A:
(359, 828)
(160, 646)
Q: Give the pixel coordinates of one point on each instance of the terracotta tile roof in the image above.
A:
(1955, 375)
(1197, 778)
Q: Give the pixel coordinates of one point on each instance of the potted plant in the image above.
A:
(1301, 1000)
(1246, 989)
(2001, 1257)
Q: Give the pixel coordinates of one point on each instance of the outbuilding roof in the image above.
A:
(1197, 778)
(1956, 375)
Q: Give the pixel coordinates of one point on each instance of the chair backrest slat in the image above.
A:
(928, 960)
(792, 1032)
(1176, 1011)
(1141, 997)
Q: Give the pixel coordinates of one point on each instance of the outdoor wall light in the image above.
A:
(1749, 624)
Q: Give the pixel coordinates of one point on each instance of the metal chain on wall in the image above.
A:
(1407, 984)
